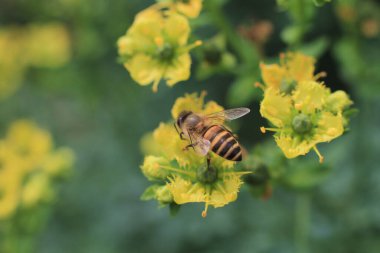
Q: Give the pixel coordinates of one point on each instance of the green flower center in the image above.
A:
(207, 175)
(287, 87)
(166, 52)
(301, 124)
(212, 55)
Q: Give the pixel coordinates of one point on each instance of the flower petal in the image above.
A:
(272, 75)
(276, 108)
(300, 66)
(292, 147)
(309, 96)
(177, 29)
(226, 191)
(184, 191)
(338, 101)
(190, 102)
(179, 70)
(330, 126)
(144, 69)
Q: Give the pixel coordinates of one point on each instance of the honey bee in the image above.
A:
(207, 132)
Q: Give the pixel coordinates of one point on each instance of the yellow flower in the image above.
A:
(186, 174)
(58, 162)
(294, 67)
(155, 47)
(218, 194)
(36, 190)
(33, 45)
(301, 120)
(189, 8)
(28, 166)
(28, 142)
(47, 45)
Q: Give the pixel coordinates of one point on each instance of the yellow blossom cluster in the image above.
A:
(156, 46)
(35, 45)
(182, 176)
(29, 165)
(303, 111)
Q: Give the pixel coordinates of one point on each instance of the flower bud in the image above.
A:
(163, 195)
(152, 167)
(212, 55)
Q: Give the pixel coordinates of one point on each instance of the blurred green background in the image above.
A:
(93, 106)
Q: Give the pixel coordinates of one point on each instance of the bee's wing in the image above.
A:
(230, 114)
(201, 145)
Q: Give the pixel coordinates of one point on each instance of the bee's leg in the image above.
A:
(191, 142)
(192, 145)
(179, 133)
(208, 161)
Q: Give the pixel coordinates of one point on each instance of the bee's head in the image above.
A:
(182, 117)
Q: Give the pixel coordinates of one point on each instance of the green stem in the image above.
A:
(302, 223)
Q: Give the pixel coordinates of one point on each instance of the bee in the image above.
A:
(207, 132)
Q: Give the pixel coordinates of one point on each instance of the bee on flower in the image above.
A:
(183, 176)
(156, 47)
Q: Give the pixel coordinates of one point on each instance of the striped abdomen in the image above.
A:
(223, 143)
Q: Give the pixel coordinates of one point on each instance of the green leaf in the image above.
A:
(242, 91)
(291, 34)
(315, 48)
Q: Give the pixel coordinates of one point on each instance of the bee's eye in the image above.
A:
(182, 117)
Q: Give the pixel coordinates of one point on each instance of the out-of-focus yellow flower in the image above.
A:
(29, 166)
(36, 45)
(36, 190)
(58, 162)
(155, 47)
(189, 8)
(185, 172)
(30, 144)
(301, 120)
(47, 45)
(294, 67)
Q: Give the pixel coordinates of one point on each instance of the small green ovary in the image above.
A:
(302, 124)
(166, 52)
(207, 175)
(287, 86)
